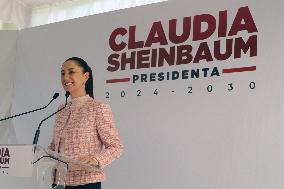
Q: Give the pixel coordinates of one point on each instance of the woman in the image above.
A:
(84, 130)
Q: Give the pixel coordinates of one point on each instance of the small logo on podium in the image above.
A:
(4, 160)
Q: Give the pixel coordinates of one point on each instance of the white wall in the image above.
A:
(8, 47)
(15, 13)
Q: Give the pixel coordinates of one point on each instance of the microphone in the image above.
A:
(36, 137)
(53, 98)
(67, 94)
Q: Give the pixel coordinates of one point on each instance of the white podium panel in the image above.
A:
(16, 160)
(33, 167)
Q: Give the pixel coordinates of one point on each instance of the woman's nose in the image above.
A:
(65, 77)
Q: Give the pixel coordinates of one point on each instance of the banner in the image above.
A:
(195, 89)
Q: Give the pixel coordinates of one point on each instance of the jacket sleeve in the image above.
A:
(108, 133)
(51, 146)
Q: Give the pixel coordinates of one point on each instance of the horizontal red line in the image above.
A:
(242, 69)
(122, 80)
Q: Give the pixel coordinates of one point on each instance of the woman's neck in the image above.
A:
(76, 95)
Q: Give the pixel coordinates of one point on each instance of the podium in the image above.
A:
(34, 167)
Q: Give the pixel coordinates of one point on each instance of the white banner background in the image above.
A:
(223, 139)
(8, 50)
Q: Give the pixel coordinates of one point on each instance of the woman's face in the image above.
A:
(73, 79)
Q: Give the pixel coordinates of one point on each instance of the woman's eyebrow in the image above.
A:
(67, 69)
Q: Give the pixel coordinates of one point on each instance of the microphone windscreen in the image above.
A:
(67, 94)
(55, 95)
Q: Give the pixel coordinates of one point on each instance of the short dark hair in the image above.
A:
(86, 68)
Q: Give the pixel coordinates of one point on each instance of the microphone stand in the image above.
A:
(36, 137)
(53, 98)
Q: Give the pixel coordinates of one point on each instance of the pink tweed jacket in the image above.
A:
(87, 128)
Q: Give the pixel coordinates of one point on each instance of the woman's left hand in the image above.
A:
(89, 160)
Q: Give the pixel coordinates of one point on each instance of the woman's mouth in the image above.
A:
(68, 84)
